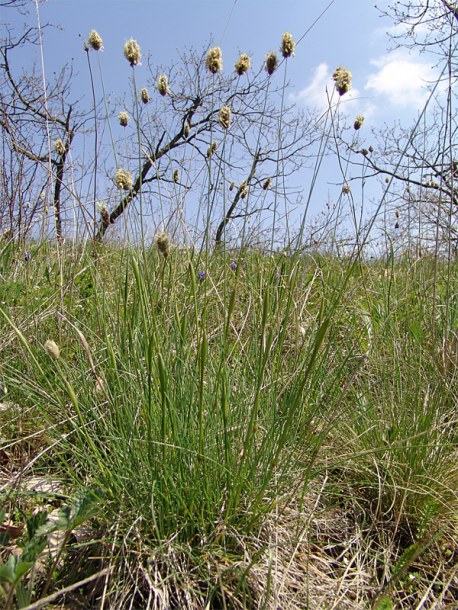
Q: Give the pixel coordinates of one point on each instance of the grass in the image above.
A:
(253, 438)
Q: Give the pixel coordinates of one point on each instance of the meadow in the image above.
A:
(207, 399)
(237, 430)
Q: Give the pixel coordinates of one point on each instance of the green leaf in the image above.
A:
(384, 603)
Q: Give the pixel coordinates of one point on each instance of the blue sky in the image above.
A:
(386, 86)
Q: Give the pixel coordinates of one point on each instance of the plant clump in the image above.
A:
(123, 179)
(214, 61)
(163, 84)
(342, 79)
(271, 62)
(225, 117)
(132, 52)
(95, 41)
(243, 64)
(287, 45)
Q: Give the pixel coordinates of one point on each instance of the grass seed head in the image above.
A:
(132, 52)
(144, 95)
(225, 117)
(123, 179)
(163, 243)
(287, 45)
(243, 64)
(358, 122)
(59, 146)
(52, 348)
(214, 61)
(271, 62)
(163, 84)
(342, 79)
(95, 41)
(123, 118)
(212, 148)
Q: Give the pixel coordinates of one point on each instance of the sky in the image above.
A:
(387, 86)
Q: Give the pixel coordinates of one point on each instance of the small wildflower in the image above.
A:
(123, 118)
(163, 243)
(52, 348)
(59, 146)
(212, 149)
(186, 128)
(231, 186)
(176, 176)
(242, 64)
(123, 179)
(214, 61)
(346, 189)
(358, 122)
(342, 79)
(271, 62)
(144, 95)
(201, 275)
(266, 184)
(225, 117)
(234, 266)
(95, 41)
(287, 45)
(163, 84)
(132, 52)
(27, 256)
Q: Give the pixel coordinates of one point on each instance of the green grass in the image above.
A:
(295, 402)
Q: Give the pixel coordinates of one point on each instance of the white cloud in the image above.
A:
(403, 80)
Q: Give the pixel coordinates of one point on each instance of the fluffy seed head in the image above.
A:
(52, 348)
(144, 95)
(123, 179)
(163, 84)
(358, 122)
(163, 243)
(95, 41)
(271, 62)
(123, 118)
(186, 129)
(225, 117)
(342, 79)
(212, 149)
(214, 61)
(59, 146)
(132, 52)
(287, 45)
(242, 64)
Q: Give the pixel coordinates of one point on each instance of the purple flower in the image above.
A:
(234, 265)
(201, 275)
(27, 256)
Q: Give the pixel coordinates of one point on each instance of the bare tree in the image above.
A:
(260, 144)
